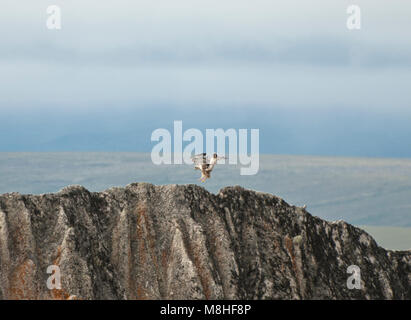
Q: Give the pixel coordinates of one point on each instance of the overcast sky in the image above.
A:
(185, 54)
(260, 52)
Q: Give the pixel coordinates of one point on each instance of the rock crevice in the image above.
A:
(182, 242)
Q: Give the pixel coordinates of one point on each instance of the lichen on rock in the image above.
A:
(182, 242)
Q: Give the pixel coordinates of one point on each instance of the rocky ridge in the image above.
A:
(182, 242)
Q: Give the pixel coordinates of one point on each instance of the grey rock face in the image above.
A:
(164, 242)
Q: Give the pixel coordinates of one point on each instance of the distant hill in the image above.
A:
(361, 191)
(394, 238)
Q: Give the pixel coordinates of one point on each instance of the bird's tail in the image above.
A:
(204, 177)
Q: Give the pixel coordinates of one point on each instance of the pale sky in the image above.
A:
(250, 59)
(183, 52)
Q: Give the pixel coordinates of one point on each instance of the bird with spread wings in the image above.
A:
(205, 164)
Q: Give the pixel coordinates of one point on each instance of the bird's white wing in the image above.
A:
(200, 159)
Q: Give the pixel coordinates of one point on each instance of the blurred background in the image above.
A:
(333, 106)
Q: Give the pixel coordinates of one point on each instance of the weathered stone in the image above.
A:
(182, 242)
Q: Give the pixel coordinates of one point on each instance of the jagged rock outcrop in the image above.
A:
(164, 242)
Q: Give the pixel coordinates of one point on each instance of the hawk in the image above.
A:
(205, 164)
